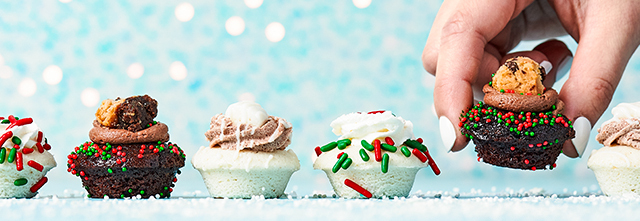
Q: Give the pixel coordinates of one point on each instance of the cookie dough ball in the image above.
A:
(519, 75)
(133, 113)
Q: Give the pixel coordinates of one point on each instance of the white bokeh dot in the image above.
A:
(135, 70)
(27, 87)
(65, 1)
(362, 3)
(52, 75)
(178, 71)
(246, 97)
(234, 25)
(274, 32)
(184, 12)
(253, 3)
(90, 97)
(5, 72)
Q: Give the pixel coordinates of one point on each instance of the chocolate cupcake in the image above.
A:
(520, 125)
(129, 154)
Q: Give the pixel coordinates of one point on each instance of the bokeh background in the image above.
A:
(306, 61)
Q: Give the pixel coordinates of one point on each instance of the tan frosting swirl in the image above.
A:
(101, 134)
(516, 102)
(274, 134)
(620, 132)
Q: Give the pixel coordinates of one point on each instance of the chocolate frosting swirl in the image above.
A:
(620, 132)
(274, 134)
(101, 134)
(516, 102)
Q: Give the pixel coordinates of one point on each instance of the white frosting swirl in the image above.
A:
(247, 112)
(28, 134)
(363, 126)
(626, 110)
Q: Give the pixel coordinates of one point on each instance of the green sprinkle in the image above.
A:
(405, 151)
(20, 182)
(526, 133)
(165, 188)
(110, 170)
(104, 153)
(490, 83)
(121, 195)
(531, 133)
(141, 191)
(3, 154)
(329, 146)
(88, 195)
(364, 155)
(366, 145)
(553, 107)
(494, 74)
(16, 140)
(551, 123)
(557, 141)
(339, 163)
(416, 145)
(6, 121)
(347, 142)
(475, 125)
(521, 93)
(131, 191)
(347, 163)
(470, 137)
(125, 169)
(108, 155)
(534, 124)
(511, 129)
(12, 155)
(389, 148)
(499, 120)
(385, 163)
(341, 146)
(501, 90)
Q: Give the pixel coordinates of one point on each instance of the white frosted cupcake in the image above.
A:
(617, 164)
(24, 158)
(375, 156)
(246, 155)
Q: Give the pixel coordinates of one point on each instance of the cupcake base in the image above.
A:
(239, 183)
(145, 182)
(398, 181)
(526, 158)
(616, 170)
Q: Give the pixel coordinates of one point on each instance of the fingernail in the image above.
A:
(582, 126)
(563, 67)
(447, 132)
(547, 66)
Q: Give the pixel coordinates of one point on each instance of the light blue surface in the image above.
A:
(334, 59)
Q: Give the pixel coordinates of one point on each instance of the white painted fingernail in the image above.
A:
(447, 132)
(582, 126)
(563, 67)
(547, 66)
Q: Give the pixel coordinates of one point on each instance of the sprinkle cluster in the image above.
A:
(15, 154)
(520, 124)
(108, 151)
(377, 147)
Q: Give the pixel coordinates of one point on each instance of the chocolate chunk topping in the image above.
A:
(136, 112)
(513, 65)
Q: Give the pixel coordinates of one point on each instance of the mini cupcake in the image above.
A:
(617, 164)
(24, 158)
(129, 154)
(375, 156)
(520, 124)
(246, 154)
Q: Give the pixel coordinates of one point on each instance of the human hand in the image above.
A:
(470, 39)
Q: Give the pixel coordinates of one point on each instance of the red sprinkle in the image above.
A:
(340, 154)
(357, 188)
(479, 158)
(376, 112)
(81, 173)
(419, 154)
(377, 151)
(39, 167)
(432, 163)
(38, 185)
(419, 140)
(27, 150)
(5, 136)
(530, 145)
(47, 146)
(318, 151)
(139, 155)
(19, 166)
(40, 135)
(513, 148)
(533, 168)
(389, 141)
(526, 161)
(20, 122)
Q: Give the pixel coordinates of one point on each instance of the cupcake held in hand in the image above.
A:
(375, 156)
(246, 154)
(520, 124)
(129, 154)
(24, 158)
(617, 164)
